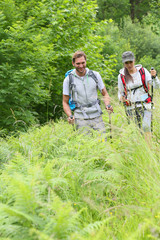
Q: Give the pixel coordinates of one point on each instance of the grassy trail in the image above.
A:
(57, 184)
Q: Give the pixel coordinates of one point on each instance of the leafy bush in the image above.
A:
(142, 39)
(37, 42)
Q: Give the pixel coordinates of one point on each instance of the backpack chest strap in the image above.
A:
(142, 73)
(134, 89)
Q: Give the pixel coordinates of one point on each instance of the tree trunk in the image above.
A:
(132, 12)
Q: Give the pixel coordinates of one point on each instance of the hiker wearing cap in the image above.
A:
(133, 86)
(81, 85)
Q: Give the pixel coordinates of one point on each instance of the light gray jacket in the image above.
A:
(86, 93)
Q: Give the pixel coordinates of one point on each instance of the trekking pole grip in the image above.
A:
(152, 68)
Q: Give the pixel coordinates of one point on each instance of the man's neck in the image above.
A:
(81, 74)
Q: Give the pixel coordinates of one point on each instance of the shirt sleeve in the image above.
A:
(66, 86)
(120, 87)
(100, 81)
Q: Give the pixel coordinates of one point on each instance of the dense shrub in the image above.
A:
(37, 40)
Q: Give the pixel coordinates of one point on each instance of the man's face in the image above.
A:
(80, 65)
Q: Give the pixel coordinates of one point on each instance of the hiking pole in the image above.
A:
(73, 125)
(110, 126)
(152, 68)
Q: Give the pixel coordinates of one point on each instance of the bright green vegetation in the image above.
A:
(38, 38)
(58, 184)
(55, 183)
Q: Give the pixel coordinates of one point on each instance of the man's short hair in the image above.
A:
(78, 54)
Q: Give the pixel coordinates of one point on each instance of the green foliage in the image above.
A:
(37, 40)
(152, 17)
(57, 183)
(115, 45)
(136, 37)
(142, 39)
(149, 62)
(116, 10)
(139, 9)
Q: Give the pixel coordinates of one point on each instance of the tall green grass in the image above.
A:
(57, 183)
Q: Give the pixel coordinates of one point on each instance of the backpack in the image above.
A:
(142, 73)
(73, 104)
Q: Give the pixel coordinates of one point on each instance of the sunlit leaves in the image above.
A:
(40, 38)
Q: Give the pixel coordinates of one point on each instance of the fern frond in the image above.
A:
(94, 227)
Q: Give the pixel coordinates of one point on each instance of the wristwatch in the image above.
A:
(71, 116)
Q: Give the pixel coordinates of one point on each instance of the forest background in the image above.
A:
(38, 38)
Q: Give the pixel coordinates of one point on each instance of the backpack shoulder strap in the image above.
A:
(146, 88)
(68, 72)
(92, 75)
(71, 81)
(72, 87)
(124, 84)
(142, 73)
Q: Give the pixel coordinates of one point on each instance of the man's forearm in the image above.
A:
(106, 97)
(67, 109)
(106, 100)
(66, 106)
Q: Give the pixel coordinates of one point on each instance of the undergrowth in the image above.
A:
(57, 183)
